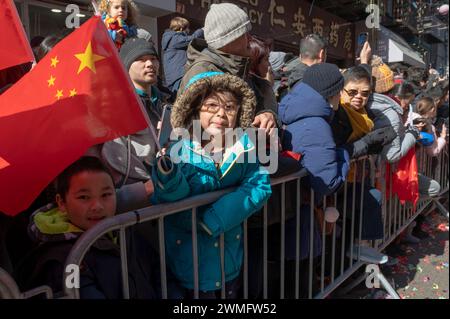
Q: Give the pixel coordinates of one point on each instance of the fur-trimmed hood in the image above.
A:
(183, 110)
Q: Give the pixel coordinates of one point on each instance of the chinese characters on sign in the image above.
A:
(287, 20)
(318, 26)
(299, 24)
(348, 40)
(279, 10)
(333, 39)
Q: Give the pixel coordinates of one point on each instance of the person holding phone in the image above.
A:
(364, 51)
(362, 39)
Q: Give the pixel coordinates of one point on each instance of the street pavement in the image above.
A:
(416, 271)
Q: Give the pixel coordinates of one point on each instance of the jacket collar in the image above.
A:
(231, 155)
(381, 102)
(199, 51)
(49, 224)
(155, 94)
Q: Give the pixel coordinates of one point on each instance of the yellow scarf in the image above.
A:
(361, 125)
(360, 121)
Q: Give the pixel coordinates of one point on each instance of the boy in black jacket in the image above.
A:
(86, 196)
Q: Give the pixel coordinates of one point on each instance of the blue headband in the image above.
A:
(199, 76)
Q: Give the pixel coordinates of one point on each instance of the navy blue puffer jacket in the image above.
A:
(174, 46)
(307, 115)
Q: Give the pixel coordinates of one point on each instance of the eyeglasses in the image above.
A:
(353, 93)
(230, 108)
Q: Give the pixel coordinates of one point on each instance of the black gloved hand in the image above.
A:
(381, 136)
(413, 130)
(374, 149)
(356, 149)
(371, 143)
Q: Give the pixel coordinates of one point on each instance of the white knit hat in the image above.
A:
(224, 23)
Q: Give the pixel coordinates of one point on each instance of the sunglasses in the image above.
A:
(353, 93)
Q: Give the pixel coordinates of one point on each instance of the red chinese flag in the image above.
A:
(405, 181)
(77, 96)
(14, 47)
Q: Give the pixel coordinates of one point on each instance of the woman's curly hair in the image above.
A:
(133, 10)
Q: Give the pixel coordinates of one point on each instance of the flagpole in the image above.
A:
(131, 85)
(144, 113)
(96, 10)
(20, 29)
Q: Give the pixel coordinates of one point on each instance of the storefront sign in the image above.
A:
(285, 20)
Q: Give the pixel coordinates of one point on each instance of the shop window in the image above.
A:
(45, 21)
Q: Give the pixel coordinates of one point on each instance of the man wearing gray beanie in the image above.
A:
(225, 23)
(226, 49)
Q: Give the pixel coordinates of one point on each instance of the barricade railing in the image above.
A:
(340, 255)
(10, 290)
(329, 263)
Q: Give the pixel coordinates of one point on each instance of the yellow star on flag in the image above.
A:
(3, 163)
(88, 59)
(59, 94)
(55, 61)
(72, 93)
(51, 81)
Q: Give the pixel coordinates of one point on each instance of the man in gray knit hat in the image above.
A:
(226, 49)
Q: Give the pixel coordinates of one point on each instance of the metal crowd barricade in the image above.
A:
(158, 212)
(327, 271)
(10, 290)
(441, 176)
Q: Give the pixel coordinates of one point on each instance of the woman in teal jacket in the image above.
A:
(192, 170)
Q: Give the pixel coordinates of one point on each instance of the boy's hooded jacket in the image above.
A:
(307, 116)
(174, 45)
(194, 172)
(100, 271)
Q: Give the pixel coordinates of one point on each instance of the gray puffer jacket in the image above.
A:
(385, 112)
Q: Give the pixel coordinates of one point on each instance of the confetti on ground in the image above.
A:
(421, 271)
